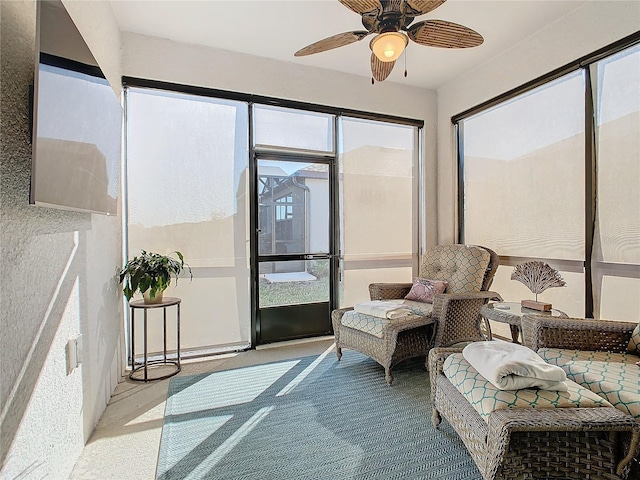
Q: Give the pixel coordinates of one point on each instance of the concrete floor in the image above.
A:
(125, 443)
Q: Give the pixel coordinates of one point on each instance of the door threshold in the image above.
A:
(297, 341)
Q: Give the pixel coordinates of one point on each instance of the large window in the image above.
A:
(285, 128)
(527, 189)
(187, 161)
(263, 199)
(524, 185)
(378, 165)
(616, 253)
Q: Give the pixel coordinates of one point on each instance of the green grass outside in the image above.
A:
(293, 293)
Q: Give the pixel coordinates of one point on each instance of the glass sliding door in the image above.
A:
(616, 253)
(187, 173)
(378, 197)
(294, 223)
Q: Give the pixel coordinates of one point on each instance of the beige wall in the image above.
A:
(58, 281)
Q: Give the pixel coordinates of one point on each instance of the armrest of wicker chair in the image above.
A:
(458, 316)
(435, 360)
(336, 318)
(389, 291)
(576, 333)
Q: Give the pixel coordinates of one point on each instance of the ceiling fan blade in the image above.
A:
(439, 33)
(362, 6)
(420, 7)
(380, 70)
(329, 43)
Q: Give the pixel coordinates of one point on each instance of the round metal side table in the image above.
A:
(143, 367)
(511, 313)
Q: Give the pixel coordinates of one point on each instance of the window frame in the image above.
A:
(265, 152)
(590, 160)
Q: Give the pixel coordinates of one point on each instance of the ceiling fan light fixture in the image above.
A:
(389, 46)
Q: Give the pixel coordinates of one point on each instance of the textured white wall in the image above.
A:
(57, 272)
(591, 26)
(165, 60)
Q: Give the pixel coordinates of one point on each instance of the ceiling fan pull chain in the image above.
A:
(405, 64)
(372, 81)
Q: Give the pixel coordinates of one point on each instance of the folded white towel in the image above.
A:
(509, 366)
(389, 309)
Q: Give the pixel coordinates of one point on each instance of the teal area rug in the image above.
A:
(308, 418)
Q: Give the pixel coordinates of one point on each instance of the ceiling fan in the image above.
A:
(388, 19)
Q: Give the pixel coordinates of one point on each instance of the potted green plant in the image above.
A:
(150, 274)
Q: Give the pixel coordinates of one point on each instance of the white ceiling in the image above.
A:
(278, 28)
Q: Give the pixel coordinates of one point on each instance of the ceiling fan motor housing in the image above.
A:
(387, 21)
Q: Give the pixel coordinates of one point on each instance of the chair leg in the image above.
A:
(338, 352)
(435, 418)
(387, 375)
(515, 332)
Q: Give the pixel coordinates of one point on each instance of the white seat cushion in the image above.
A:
(370, 324)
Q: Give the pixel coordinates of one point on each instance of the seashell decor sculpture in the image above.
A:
(538, 276)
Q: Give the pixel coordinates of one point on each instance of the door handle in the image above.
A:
(317, 256)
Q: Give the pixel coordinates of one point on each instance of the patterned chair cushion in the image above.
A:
(419, 308)
(613, 376)
(424, 290)
(375, 325)
(485, 398)
(369, 323)
(634, 343)
(462, 266)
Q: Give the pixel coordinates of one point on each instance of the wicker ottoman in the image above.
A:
(407, 338)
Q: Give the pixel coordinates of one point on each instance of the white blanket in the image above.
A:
(509, 366)
(389, 309)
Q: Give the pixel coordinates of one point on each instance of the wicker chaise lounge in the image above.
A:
(453, 317)
(601, 355)
(536, 443)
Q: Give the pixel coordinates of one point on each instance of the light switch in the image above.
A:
(74, 353)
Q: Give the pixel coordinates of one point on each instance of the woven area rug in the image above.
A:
(308, 418)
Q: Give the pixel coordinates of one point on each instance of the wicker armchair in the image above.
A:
(454, 318)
